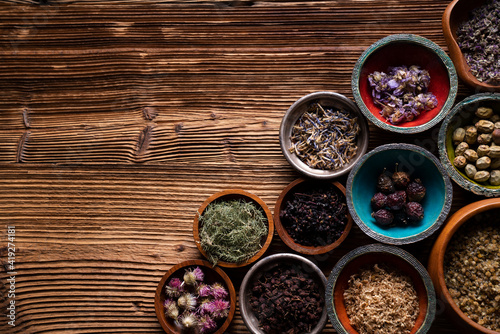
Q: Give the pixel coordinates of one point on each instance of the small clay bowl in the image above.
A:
(212, 275)
(285, 196)
(267, 263)
(462, 115)
(236, 194)
(436, 262)
(419, 163)
(456, 12)
(328, 100)
(369, 255)
(398, 50)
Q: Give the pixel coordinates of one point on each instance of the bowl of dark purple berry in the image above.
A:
(404, 83)
(195, 297)
(399, 193)
(311, 216)
(323, 134)
(471, 32)
(380, 289)
(283, 293)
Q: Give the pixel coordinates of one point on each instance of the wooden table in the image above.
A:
(119, 119)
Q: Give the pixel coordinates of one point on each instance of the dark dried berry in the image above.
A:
(401, 179)
(415, 191)
(379, 201)
(400, 217)
(383, 217)
(414, 211)
(384, 183)
(396, 200)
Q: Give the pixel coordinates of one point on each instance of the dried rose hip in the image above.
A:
(383, 217)
(415, 191)
(396, 200)
(379, 201)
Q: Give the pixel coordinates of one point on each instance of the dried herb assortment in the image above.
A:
(285, 299)
(194, 306)
(381, 299)
(472, 269)
(232, 230)
(315, 216)
(397, 201)
(402, 93)
(477, 147)
(325, 138)
(479, 41)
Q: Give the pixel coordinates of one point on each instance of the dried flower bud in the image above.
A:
(207, 324)
(188, 320)
(171, 309)
(470, 135)
(218, 291)
(483, 150)
(191, 277)
(470, 170)
(203, 290)
(485, 126)
(187, 301)
(482, 176)
(471, 155)
(495, 177)
(484, 138)
(461, 148)
(484, 112)
(494, 152)
(460, 161)
(458, 135)
(483, 163)
(174, 288)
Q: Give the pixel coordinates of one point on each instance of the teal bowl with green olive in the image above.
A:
(469, 144)
(399, 193)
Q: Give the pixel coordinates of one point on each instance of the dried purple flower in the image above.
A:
(188, 320)
(479, 40)
(192, 276)
(187, 301)
(218, 291)
(221, 308)
(206, 307)
(174, 288)
(207, 324)
(204, 290)
(171, 309)
(402, 93)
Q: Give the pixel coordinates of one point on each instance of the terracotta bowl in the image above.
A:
(286, 195)
(267, 263)
(326, 99)
(351, 263)
(212, 275)
(457, 12)
(419, 163)
(405, 49)
(436, 262)
(461, 115)
(232, 194)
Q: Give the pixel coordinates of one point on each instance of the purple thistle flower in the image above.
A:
(187, 301)
(221, 308)
(206, 307)
(174, 288)
(171, 309)
(192, 277)
(218, 291)
(207, 324)
(204, 290)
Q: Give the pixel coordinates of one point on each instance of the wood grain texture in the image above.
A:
(118, 119)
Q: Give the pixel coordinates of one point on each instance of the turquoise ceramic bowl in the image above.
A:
(461, 115)
(419, 163)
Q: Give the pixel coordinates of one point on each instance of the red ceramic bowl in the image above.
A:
(457, 12)
(212, 275)
(406, 49)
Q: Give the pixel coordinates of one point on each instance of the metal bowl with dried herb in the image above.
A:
(323, 134)
(233, 228)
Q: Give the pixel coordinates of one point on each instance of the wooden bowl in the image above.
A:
(212, 275)
(436, 262)
(455, 13)
(232, 194)
(419, 163)
(461, 115)
(326, 99)
(267, 263)
(286, 195)
(406, 49)
(351, 263)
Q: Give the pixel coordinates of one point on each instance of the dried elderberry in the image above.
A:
(315, 216)
(286, 300)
